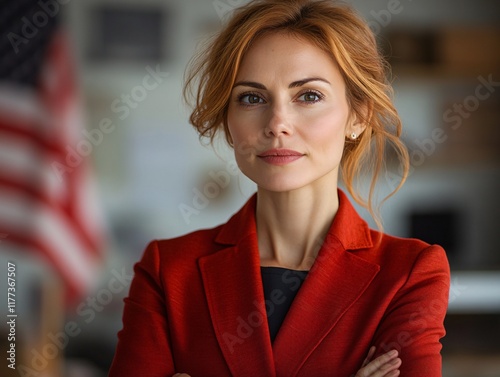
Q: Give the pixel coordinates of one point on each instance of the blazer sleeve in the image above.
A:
(143, 344)
(413, 322)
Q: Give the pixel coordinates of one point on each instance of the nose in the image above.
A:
(279, 123)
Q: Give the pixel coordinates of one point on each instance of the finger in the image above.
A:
(391, 366)
(390, 369)
(394, 373)
(181, 375)
(371, 352)
(379, 362)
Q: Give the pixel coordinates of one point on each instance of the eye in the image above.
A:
(310, 97)
(250, 99)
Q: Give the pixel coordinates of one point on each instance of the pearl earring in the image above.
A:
(353, 136)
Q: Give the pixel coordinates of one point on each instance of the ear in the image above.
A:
(357, 124)
(354, 130)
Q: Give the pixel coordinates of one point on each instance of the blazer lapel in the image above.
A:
(336, 280)
(235, 296)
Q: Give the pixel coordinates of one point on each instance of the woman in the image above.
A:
(295, 283)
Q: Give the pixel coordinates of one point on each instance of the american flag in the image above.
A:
(48, 204)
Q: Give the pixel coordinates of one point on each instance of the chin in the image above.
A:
(293, 180)
(280, 182)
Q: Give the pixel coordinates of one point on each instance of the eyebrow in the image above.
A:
(294, 84)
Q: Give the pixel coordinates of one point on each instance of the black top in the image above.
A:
(280, 288)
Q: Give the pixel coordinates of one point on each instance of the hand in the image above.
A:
(386, 365)
(181, 375)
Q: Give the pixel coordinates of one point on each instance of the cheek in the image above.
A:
(245, 128)
(328, 130)
(241, 135)
(236, 124)
(239, 138)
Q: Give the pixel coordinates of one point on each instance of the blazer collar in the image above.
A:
(232, 283)
(347, 227)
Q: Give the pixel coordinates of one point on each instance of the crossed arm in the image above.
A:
(386, 365)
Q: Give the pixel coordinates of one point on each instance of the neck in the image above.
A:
(292, 225)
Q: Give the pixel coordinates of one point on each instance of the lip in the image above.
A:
(280, 156)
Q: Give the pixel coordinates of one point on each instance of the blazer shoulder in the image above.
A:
(194, 244)
(388, 240)
(411, 253)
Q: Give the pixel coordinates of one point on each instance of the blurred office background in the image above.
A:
(151, 178)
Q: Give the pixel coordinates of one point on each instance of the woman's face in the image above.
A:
(288, 115)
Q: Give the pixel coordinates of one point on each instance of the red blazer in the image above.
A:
(196, 305)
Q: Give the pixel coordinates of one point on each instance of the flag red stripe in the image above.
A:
(36, 139)
(36, 196)
(73, 289)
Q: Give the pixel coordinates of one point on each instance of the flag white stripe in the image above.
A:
(88, 208)
(20, 162)
(23, 106)
(51, 229)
